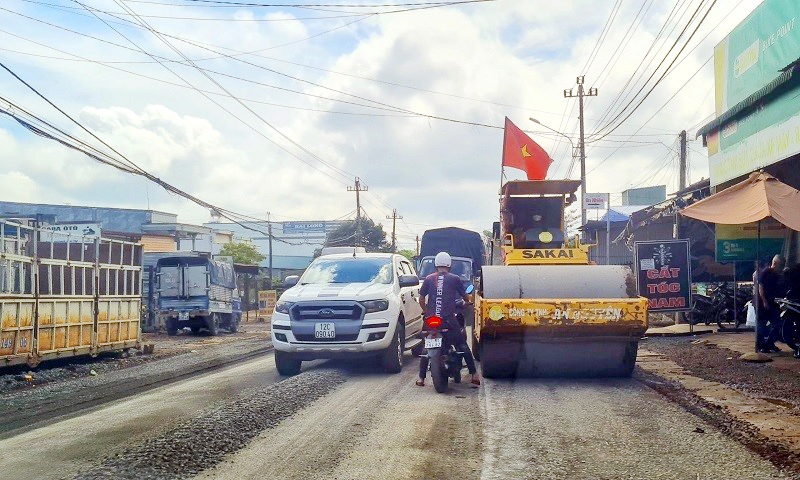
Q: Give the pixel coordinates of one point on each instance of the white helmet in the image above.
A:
(442, 260)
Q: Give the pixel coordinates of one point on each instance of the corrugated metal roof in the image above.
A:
(749, 101)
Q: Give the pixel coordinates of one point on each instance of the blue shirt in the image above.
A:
(442, 290)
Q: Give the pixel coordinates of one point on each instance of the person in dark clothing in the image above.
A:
(438, 297)
(769, 318)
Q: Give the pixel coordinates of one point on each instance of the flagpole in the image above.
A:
(502, 157)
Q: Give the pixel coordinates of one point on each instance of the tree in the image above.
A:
(242, 253)
(372, 235)
(409, 254)
(572, 220)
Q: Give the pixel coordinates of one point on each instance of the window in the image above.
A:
(348, 270)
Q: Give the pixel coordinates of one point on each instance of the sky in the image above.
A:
(279, 108)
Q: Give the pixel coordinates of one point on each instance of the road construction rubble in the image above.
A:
(205, 440)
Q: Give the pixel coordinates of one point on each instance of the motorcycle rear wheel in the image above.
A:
(439, 375)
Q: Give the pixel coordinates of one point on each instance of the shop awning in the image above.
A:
(758, 197)
(750, 101)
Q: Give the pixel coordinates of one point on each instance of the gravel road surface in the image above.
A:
(339, 420)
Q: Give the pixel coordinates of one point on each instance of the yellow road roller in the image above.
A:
(541, 309)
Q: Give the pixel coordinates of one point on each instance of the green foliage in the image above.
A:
(242, 253)
(372, 236)
(409, 254)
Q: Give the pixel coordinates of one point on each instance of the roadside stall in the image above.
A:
(752, 201)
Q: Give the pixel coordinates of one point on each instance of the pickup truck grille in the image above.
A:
(330, 311)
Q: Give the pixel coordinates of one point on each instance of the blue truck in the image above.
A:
(197, 293)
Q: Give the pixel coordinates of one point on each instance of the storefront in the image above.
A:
(757, 96)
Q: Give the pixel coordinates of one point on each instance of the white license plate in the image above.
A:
(325, 330)
(433, 342)
(183, 315)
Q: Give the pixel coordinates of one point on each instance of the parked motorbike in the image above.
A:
(790, 314)
(702, 309)
(724, 305)
(445, 362)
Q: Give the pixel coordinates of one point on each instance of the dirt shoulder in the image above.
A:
(58, 390)
(756, 403)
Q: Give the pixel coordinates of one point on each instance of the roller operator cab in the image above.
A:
(356, 305)
(541, 308)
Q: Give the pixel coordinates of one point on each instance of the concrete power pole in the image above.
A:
(394, 217)
(581, 144)
(358, 189)
(417, 245)
(682, 180)
(269, 234)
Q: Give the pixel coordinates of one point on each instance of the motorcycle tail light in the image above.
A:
(433, 322)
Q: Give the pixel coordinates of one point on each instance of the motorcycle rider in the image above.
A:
(768, 311)
(443, 289)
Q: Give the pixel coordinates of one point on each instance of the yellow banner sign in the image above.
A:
(266, 303)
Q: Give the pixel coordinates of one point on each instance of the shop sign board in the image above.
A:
(266, 303)
(756, 51)
(73, 232)
(595, 201)
(739, 243)
(663, 274)
(754, 54)
(768, 134)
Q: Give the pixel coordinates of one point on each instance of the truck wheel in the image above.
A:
(213, 324)
(233, 327)
(393, 356)
(172, 327)
(287, 365)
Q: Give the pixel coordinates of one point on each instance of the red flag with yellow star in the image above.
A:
(519, 151)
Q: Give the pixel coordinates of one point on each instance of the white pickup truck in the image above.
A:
(348, 306)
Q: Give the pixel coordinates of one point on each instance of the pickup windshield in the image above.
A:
(348, 270)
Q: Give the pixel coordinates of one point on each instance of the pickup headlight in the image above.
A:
(283, 307)
(373, 306)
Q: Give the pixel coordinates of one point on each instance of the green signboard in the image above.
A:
(749, 58)
(768, 134)
(756, 51)
(739, 243)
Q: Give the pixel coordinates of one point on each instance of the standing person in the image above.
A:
(769, 284)
(437, 297)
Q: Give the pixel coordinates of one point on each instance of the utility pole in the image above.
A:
(682, 179)
(581, 144)
(394, 217)
(417, 245)
(269, 234)
(358, 189)
(677, 234)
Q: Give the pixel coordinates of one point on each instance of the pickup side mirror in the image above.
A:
(291, 281)
(408, 281)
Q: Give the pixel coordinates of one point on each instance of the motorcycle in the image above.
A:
(790, 331)
(702, 309)
(724, 305)
(444, 360)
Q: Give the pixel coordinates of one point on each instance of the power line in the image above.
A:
(620, 122)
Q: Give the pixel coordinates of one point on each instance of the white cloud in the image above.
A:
(521, 54)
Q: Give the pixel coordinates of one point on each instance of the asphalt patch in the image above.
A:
(202, 442)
